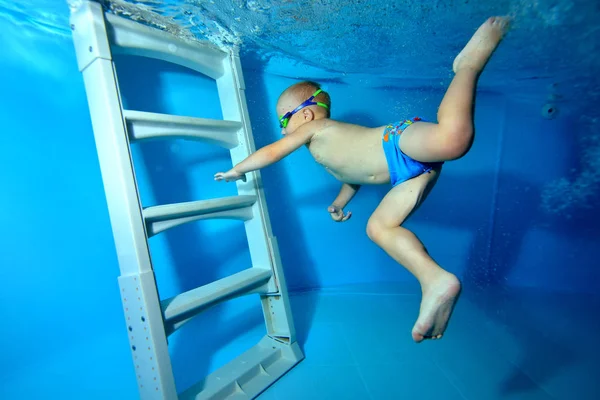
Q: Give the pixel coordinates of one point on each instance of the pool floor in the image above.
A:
(500, 344)
(523, 345)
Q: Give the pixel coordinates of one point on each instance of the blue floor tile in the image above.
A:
(322, 382)
(477, 365)
(325, 346)
(411, 379)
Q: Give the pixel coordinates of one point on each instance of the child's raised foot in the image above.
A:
(479, 49)
(437, 304)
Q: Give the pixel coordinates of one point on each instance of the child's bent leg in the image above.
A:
(452, 136)
(440, 289)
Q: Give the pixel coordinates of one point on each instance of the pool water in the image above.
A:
(515, 219)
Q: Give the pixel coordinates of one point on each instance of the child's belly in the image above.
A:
(360, 176)
(358, 160)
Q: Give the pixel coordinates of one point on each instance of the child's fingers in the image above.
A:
(220, 176)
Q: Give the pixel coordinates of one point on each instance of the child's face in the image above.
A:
(295, 121)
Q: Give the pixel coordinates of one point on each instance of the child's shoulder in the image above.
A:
(328, 123)
(325, 125)
(328, 126)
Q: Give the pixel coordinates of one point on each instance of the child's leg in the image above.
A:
(440, 289)
(452, 136)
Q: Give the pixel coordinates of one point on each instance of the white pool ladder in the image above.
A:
(149, 320)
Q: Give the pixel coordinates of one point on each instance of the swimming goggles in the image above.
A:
(285, 119)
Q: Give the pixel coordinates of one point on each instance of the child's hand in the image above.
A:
(337, 214)
(230, 176)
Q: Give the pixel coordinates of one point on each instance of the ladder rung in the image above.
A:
(145, 125)
(133, 38)
(184, 306)
(161, 218)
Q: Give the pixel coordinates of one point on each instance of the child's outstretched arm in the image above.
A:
(267, 155)
(336, 209)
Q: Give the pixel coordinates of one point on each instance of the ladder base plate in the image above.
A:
(248, 375)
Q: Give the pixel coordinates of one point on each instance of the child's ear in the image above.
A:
(308, 115)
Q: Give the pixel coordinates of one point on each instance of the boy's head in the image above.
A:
(297, 106)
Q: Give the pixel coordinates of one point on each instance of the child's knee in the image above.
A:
(374, 229)
(457, 140)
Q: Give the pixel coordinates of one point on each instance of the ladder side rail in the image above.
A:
(139, 293)
(262, 243)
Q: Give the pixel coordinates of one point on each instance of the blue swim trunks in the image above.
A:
(401, 166)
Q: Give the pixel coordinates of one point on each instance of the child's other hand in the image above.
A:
(230, 176)
(337, 214)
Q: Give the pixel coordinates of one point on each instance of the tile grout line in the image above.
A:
(449, 379)
(530, 377)
(510, 360)
(358, 369)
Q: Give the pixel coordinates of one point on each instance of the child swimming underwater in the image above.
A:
(408, 154)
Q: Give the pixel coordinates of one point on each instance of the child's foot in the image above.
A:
(438, 301)
(479, 49)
